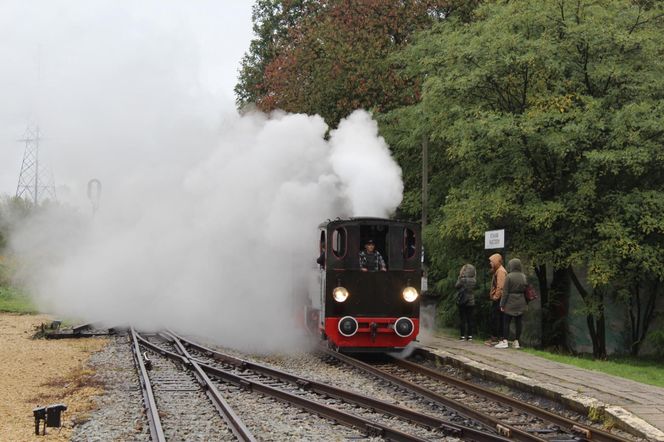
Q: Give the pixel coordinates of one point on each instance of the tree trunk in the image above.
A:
(560, 290)
(595, 321)
(634, 311)
(600, 351)
(543, 283)
(555, 305)
(640, 321)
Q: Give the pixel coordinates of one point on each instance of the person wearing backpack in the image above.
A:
(465, 284)
(513, 303)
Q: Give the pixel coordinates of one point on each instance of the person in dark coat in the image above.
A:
(513, 303)
(321, 258)
(466, 282)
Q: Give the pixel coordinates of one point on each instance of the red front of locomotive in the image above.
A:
(374, 306)
(363, 333)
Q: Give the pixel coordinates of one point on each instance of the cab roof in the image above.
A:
(362, 220)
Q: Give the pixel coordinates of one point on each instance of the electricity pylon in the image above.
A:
(31, 182)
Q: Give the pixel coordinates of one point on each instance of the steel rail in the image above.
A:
(235, 423)
(445, 426)
(502, 428)
(156, 430)
(568, 424)
(72, 335)
(372, 429)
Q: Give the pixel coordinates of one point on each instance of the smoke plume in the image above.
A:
(221, 247)
(207, 221)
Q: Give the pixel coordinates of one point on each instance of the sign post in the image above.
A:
(494, 239)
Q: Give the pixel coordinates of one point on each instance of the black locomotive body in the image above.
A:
(377, 308)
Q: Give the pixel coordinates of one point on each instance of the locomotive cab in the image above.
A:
(371, 307)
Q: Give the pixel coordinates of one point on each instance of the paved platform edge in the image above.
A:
(591, 407)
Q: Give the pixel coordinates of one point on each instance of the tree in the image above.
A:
(272, 20)
(549, 125)
(333, 57)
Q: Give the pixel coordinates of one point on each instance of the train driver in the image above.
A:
(370, 258)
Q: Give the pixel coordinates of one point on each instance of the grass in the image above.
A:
(13, 301)
(639, 370)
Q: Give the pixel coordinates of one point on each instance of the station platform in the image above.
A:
(638, 408)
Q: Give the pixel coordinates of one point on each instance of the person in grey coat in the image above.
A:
(467, 282)
(513, 303)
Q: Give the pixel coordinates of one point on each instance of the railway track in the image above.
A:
(511, 418)
(372, 417)
(469, 412)
(569, 425)
(175, 401)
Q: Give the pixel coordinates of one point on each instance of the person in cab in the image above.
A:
(371, 259)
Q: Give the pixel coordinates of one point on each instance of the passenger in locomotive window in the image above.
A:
(370, 258)
(321, 258)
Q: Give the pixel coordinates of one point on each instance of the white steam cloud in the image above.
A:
(208, 219)
(371, 179)
(222, 246)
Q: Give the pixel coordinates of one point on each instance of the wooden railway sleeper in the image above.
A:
(503, 430)
(374, 431)
(584, 432)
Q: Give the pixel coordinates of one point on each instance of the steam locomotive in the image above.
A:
(372, 306)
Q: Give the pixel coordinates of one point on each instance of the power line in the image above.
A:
(31, 182)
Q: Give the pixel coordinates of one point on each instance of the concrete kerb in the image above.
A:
(593, 408)
(625, 419)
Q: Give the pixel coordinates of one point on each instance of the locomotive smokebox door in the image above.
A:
(54, 414)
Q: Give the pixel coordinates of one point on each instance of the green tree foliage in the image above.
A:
(332, 58)
(272, 20)
(12, 211)
(545, 118)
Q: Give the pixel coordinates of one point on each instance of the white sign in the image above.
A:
(494, 239)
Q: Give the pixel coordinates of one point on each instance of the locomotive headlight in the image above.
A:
(340, 294)
(409, 294)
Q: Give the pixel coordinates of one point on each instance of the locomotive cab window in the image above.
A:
(378, 235)
(321, 250)
(339, 242)
(409, 245)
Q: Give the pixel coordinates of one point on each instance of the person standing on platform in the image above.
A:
(466, 283)
(495, 294)
(513, 303)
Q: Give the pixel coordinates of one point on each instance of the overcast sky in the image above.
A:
(94, 74)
